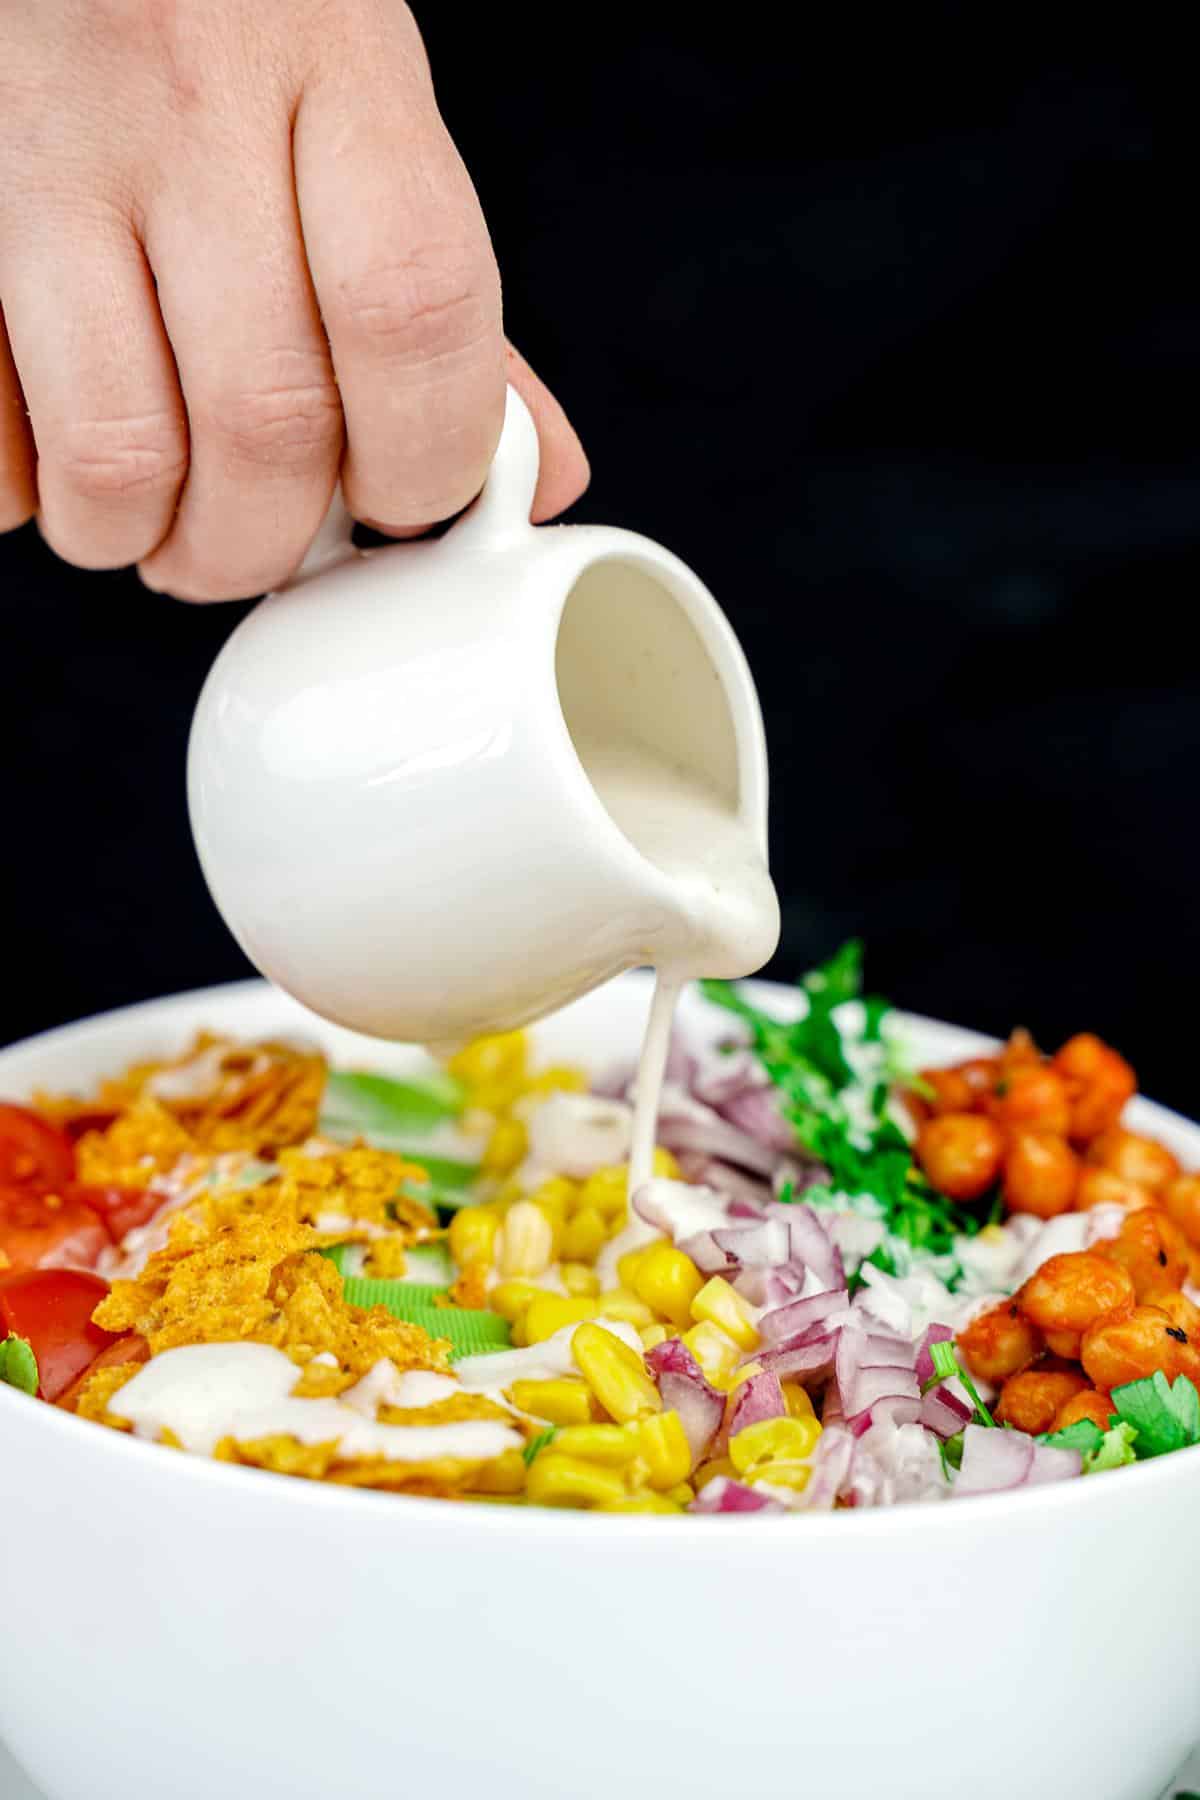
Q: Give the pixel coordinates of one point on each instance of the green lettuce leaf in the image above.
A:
(377, 1108)
(18, 1364)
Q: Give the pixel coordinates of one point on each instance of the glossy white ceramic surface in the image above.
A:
(385, 794)
(176, 1628)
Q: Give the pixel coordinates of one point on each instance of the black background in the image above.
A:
(894, 339)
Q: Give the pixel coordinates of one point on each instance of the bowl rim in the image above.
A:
(421, 1511)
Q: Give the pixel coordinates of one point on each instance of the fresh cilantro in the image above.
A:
(1165, 1416)
(537, 1444)
(1084, 1435)
(1118, 1447)
(950, 1450)
(946, 1367)
(18, 1364)
(841, 1118)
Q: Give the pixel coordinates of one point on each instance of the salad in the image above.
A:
(850, 1282)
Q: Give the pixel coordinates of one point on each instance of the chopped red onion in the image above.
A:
(756, 1112)
(686, 1390)
(765, 1244)
(1053, 1463)
(724, 1078)
(943, 1412)
(812, 1361)
(889, 1409)
(722, 1495)
(870, 1385)
(746, 1193)
(783, 1324)
(716, 1137)
(811, 1243)
(993, 1460)
(756, 1399)
(831, 1465)
(704, 1251)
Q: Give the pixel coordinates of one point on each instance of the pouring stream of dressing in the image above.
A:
(726, 920)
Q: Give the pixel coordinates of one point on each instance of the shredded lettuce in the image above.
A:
(377, 1108)
(18, 1364)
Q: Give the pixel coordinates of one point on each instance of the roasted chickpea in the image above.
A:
(1065, 1344)
(961, 1153)
(1091, 1404)
(1100, 1187)
(1152, 1248)
(1185, 1317)
(1099, 1082)
(1133, 1157)
(999, 1343)
(1020, 1048)
(1116, 1350)
(1040, 1174)
(1034, 1095)
(981, 1073)
(1181, 1200)
(1069, 1292)
(951, 1092)
(1032, 1401)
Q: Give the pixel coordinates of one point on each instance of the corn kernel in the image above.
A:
(797, 1401)
(722, 1305)
(473, 1235)
(618, 1303)
(665, 1165)
(653, 1335)
(669, 1281)
(550, 1312)
(558, 1480)
(493, 1065)
(525, 1245)
(505, 1474)
(577, 1278)
(709, 1471)
(760, 1446)
(662, 1442)
(612, 1445)
(556, 1196)
(681, 1493)
(615, 1373)
(558, 1078)
(584, 1235)
(716, 1353)
(565, 1401)
(605, 1190)
(794, 1475)
(505, 1148)
(629, 1264)
(647, 1502)
(512, 1299)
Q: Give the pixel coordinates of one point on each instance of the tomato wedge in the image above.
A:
(120, 1208)
(33, 1153)
(128, 1349)
(52, 1310)
(40, 1231)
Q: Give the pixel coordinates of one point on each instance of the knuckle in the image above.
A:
(124, 459)
(286, 424)
(427, 305)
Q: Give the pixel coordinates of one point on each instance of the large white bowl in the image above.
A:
(176, 1628)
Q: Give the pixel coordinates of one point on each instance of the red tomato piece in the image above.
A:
(33, 1153)
(41, 1231)
(120, 1208)
(52, 1310)
(128, 1349)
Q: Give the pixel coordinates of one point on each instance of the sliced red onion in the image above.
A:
(831, 1465)
(722, 1495)
(993, 1460)
(765, 1244)
(783, 1324)
(870, 1385)
(934, 1334)
(784, 1284)
(746, 1194)
(943, 1412)
(880, 1349)
(679, 1209)
(1052, 1463)
(759, 1398)
(685, 1390)
(756, 1112)
(811, 1362)
(889, 1409)
(706, 1254)
(811, 1244)
(724, 1078)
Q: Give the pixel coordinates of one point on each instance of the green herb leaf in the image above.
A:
(18, 1364)
(951, 1452)
(377, 1108)
(1119, 1447)
(1084, 1435)
(946, 1367)
(536, 1445)
(1165, 1416)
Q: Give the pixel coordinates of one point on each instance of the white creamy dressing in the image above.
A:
(205, 1392)
(724, 907)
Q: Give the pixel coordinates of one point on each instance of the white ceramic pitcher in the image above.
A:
(385, 791)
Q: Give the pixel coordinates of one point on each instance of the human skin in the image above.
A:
(239, 256)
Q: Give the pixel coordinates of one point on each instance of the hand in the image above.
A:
(239, 252)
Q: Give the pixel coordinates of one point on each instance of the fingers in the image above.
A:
(563, 471)
(408, 291)
(264, 416)
(100, 386)
(18, 493)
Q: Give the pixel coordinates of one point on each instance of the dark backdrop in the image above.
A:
(896, 342)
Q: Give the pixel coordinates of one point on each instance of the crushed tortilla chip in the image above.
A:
(98, 1390)
(469, 1287)
(144, 1142)
(361, 1183)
